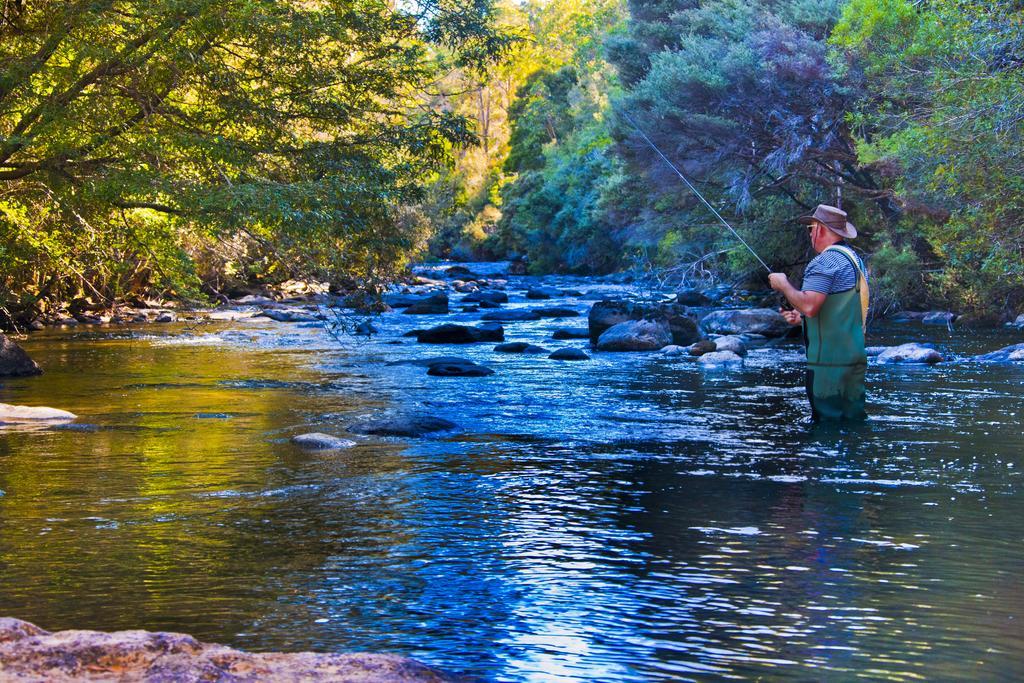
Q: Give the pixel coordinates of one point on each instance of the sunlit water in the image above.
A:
(630, 518)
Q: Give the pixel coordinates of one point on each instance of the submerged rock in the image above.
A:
(465, 368)
(720, 359)
(1007, 354)
(569, 353)
(318, 441)
(543, 292)
(910, 353)
(635, 335)
(28, 653)
(451, 333)
(763, 321)
(12, 413)
(14, 362)
(520, 315)
(403, 425)
(571, 333)
(557, 312)
(519, 347)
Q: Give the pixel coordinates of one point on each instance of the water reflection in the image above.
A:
(630, 519)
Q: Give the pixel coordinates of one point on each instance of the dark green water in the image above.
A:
(632, 518)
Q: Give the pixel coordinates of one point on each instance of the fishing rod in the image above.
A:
(693, 189)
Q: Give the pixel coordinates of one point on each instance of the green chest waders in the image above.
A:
(836, 360)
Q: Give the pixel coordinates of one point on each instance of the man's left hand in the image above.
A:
(779, 281)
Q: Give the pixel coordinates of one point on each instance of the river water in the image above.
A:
(630, 518)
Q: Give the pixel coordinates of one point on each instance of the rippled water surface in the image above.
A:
(631, 518)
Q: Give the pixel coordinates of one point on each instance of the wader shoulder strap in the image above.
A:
(862, 281)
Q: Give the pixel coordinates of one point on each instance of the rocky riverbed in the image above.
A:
(573, 514)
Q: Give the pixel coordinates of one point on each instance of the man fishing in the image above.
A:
(832, 304)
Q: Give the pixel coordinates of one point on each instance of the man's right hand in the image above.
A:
(792, 317)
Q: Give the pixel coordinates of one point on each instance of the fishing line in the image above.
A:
(693, 189)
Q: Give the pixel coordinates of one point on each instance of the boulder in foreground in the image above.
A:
(10, 413)
(764, 321)
(403, 425)
(635, 335)
(14, 362)
(609, 312)
(28, 653)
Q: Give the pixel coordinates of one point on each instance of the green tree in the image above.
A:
(743, 97)
(942, 115)
(135, 136)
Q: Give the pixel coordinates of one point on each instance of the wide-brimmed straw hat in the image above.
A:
(832, 218)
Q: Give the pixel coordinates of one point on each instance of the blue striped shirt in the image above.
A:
(830, 272)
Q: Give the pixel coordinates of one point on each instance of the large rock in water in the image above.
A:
(519, 347)
(403, 425)
(465, 368)
(568, 353)
(910, 353)
(291, 315)
(431, 305)
(14, 362)
(731, 343)
(28, 653)
(489, 296)
(763, 321)
(608, 312)
(635, 335)
(10, 413)
(1008, 354)
(451, 333)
